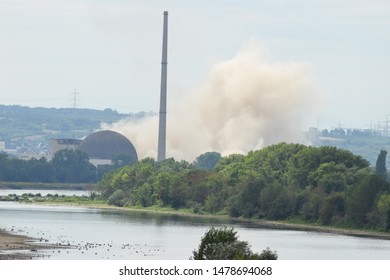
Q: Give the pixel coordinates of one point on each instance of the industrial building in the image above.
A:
(102, 147)
(62, 144)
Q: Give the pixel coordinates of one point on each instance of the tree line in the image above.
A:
(323, 185)
(73, 166)
(67, 166)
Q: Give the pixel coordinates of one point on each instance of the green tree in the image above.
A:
(304, 163)
(223, 244)
(329, 176)
(380, 167)
(231, 167)
(246, 203)
(179, 193)
(162, 184)
(383, 210)
(4, 161)
(143, 195)
(217, 193)
(272, 161)
(207, 161)
(117, 198)
(360, 199)
(122, 160)
(73, 166)
(308, 204)
(40, 170)
(332, 209)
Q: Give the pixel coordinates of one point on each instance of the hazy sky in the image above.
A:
(110, 51)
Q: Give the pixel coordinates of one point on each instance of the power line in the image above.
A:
(75, 93)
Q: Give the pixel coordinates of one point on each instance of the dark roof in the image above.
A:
(107, 144)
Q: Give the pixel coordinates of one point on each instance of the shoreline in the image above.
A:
(18, 247)
(324, 229)
(21, 247)
(282, 225)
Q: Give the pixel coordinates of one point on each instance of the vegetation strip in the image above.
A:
(322, 186)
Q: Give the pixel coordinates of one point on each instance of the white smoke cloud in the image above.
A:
(246, 103)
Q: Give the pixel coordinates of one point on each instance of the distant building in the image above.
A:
(62, 144)
(102, 147)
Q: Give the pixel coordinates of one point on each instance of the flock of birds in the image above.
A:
(61, 247)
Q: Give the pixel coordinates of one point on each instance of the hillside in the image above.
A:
(27, 130)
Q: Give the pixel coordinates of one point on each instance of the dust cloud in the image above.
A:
(246, 103)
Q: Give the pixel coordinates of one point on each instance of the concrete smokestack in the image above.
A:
(162, 128)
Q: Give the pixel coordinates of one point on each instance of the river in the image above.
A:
(116, 234)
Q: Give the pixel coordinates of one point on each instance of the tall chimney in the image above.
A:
(162, 128)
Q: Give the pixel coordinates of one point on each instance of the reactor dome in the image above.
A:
(104, 145)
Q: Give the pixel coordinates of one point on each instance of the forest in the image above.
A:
(322, 185)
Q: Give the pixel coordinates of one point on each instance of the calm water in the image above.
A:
(110, 234)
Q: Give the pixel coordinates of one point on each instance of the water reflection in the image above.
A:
(162, 219)
(114, 234)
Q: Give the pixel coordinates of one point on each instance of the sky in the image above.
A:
(109, 51)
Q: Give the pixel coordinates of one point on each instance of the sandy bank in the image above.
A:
(17, 247)
(20, 247)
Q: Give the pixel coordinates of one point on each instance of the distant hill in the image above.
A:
(28, 130)
(366, 143)
(25, 128)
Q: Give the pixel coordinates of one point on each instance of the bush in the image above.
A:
(117, 198)
(223, 244)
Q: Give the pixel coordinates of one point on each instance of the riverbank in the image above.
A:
(282, 225)
(20, 247)
(17, 247)
(323, 229)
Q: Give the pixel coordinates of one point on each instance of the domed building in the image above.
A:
(103, 146)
